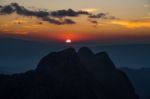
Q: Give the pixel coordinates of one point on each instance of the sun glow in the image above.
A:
(68, 41)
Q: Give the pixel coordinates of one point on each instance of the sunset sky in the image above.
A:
(79, 20)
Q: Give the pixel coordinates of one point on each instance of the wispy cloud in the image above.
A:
(132, 24)
(90, 9)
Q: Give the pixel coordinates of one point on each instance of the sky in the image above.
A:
(79, 20)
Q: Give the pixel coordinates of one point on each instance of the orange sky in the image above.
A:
(119, 28)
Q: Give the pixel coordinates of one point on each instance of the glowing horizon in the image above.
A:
(110, 21)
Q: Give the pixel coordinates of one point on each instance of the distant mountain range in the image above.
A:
(19, 55)
(140, 78)
(68, 74)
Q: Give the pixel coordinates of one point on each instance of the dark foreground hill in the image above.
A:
(69, 75)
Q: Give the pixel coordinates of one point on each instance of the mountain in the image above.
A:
(69, 75)
(140, 79)
(20, 55)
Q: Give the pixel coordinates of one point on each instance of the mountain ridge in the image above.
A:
(66, 75)
(24, 55)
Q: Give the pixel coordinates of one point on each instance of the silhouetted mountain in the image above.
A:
(141, 80)
(20, 55)
(69, 75)
(106, 73)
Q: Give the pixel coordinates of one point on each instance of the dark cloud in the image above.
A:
(94, 21)
(44, 15)
(68, 21)
(50, 20)
(69, 12)
(83, 13)
(58, 22)
(54, 17)
(26, 12)
(14, 7)
(100, 15)
(63, 13)
(6, 9)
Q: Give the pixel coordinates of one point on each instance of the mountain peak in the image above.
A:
(68, 50)
(52, 61)
(105, 60)
(102, 54)
(85, 51)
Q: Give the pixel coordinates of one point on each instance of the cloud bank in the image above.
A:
(57, 17)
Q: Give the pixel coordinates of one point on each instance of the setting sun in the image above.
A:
(68, 41)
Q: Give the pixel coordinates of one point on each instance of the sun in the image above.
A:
(68, 41)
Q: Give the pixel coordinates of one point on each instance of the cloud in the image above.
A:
(44, 15)
(132, 24)
(26, 12)
(6, 9)
(101, 16)
(90, 9)
(57, 17)
(68, 21)
(58, 22)
(93, 18)
(14, 7)
(94, 21)
(63, 13)
(69, 13)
